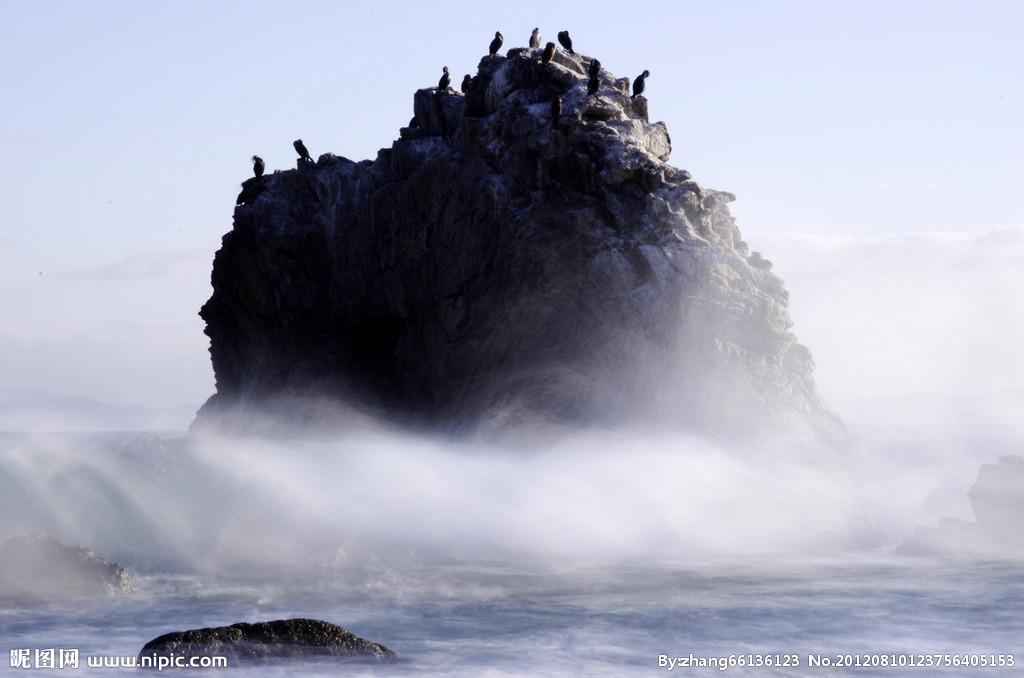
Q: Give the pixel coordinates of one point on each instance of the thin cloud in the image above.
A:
(904, 313)
(906, 186)
(177, 263)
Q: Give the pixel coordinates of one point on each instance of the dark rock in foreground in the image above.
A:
(997, 499)
(498, 263)
(43, 567)
(269, 641)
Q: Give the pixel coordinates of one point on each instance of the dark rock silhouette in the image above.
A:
(44, 567)
(997, 500)
(265, 642)
(490, 265)
(251, 189)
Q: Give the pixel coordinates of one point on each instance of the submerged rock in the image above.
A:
(997, 500)
(44, 567)
(268, 641)
(497, 262)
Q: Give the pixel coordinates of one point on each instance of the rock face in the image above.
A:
(268, 641)
(499, 262)
(997, 499)
(43, 567)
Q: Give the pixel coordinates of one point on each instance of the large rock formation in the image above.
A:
(264, 642)
(41, 567)
(501, 262)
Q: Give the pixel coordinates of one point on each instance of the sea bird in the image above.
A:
(445, 80)
(496, 43)
(300, 148)
(549, 52)
(467, 82)
(565, 41)
(535, 38)
(638, 84)
(258, 165)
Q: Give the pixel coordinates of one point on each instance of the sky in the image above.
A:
(874, 146)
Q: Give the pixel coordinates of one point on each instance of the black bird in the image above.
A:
(535, 38)
(258, 165)
(496, 43)
(445, 80)
(638, 84)
(595, 67)
(556, 110)
(549, 52)
(593, 84)
(300, 148)
(565, 41)
(467, 82)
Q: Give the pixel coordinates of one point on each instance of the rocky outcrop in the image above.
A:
(43, 567)
(264, 642)
(997, 500)
(503, 261)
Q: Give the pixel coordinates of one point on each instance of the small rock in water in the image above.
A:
(997, 499)
(44, 567)
(263, 642)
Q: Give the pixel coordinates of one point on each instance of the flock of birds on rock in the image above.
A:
(593, 84)
(258, 166)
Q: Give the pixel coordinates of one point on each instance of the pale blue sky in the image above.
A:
(126, 127)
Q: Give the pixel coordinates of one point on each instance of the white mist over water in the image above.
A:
(594, 494)
(216, 503)
(592, 551)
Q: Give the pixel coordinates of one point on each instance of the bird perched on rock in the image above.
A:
(258, 165)
(535, 38)
(467, 82)
(300, 148)
(593, 84)
(445, 80)
(496, 43)
(549, 52)
(595, 67)
(638, 84)
(565, 41)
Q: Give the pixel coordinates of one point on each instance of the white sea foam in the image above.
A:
(207, 501)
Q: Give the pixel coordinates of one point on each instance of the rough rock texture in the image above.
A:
(268, 641)
(997, 500)
(496, 263)
(43, 567)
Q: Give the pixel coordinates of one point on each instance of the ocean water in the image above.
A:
(609, 553)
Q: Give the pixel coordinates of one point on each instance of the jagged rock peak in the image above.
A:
(523, 250)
